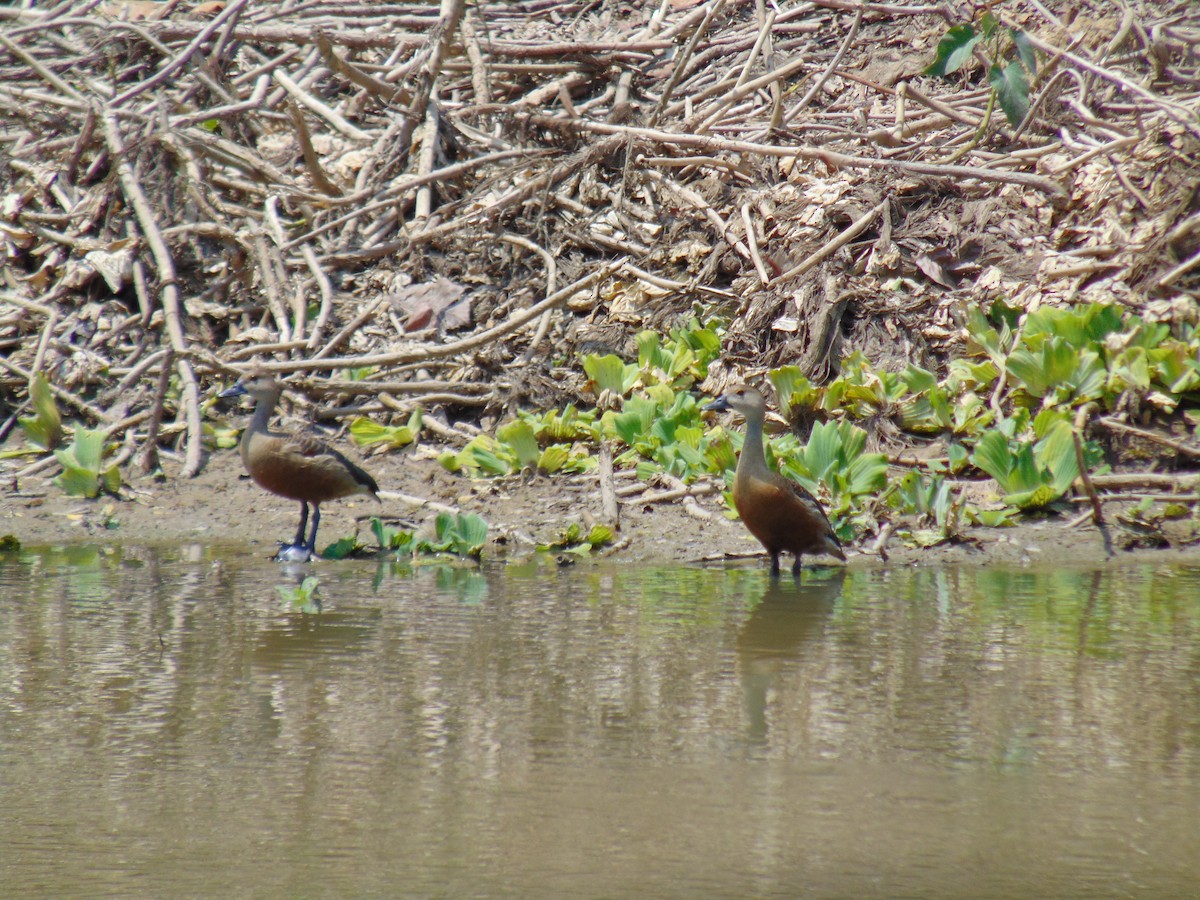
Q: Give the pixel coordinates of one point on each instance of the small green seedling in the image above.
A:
(392, 539)
(1011, 56)
(84, 473)
(574, 540)
(44, 428)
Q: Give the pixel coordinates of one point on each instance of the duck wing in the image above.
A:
(318, 454)
(814, 508)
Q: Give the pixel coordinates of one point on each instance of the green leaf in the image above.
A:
(1033, 499)
(1056, 452)
(917, 379)
(824, 450)
(82, 475)
(1025, 474)
(553, 458)
(365, 432)
(992, 456)
(390, 538)
(468, 533)
(648, 343)
(791, 387)
(609, 373)
(628, 427)
(44, 428)
(867, 474)
(88, 448)
(718, 453)
(600, 535)
(520, 438)
(1040, 371)
(928, 537)
(76, 482)
(1012, 91)
(341, 548)
(954, 50)
(647, 469)
(992, 518)
(1025, 52)
(481, 454)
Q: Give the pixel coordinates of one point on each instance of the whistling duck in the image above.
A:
(781, 514)
(295, 466)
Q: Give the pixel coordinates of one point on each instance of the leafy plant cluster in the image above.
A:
(647, 412)
(647, 409)
(458, 534)
(1008, 406)
(85, 473)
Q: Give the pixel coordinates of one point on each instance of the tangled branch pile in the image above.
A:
(454, 202)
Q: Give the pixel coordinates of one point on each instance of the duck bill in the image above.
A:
(718, 405)
(236, 391)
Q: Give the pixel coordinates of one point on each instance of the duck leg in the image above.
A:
(796, 568)
(297, 551)
(312, 537)
(299, 542)
(774, 563)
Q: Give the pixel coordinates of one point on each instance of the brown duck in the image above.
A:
(295, 466)
(781, 514)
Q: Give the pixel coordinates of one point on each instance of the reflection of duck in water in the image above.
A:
(789, 617)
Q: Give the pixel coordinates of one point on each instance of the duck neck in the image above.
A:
(262, 415)
(259, 421)
(753, 459)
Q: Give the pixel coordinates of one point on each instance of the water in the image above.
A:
(169, 725)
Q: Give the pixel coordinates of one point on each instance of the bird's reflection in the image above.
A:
(790, 618)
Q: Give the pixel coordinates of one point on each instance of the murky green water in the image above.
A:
(168, 727)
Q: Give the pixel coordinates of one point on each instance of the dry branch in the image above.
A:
(181, 195)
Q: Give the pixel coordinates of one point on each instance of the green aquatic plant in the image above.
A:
(1003, 410)
(84, 473)
(1034, 472)
(677, 361)
(574, 539)
(44, 428)
(367, 433)
(662, 432)
(394, 539)
(610, 375)
(343, 548)
(1065, 357)
(515, 448)
(931, 500)
(303, 596)
(834, 456)
(462, 534)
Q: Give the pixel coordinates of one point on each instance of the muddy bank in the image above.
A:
(222, 506)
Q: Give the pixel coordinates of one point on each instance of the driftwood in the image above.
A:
(188, 188)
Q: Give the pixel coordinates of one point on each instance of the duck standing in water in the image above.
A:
(295, 466)
(781, 514)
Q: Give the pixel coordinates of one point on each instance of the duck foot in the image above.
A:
(294, 553)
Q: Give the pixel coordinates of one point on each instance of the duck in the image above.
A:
(295, 466)
(781, 514)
